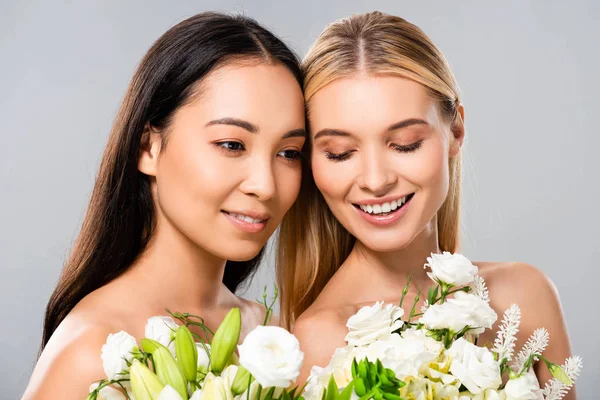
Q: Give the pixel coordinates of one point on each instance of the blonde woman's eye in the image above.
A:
(339, 156)
(409, 148)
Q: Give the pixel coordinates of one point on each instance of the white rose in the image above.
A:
(410, 352)
(456, 313)
(451, 269)
(372, 323)
(168, 393)
(116, 352)
(488, 394)
(474, 366)
(272, 355)
(162, 329)
(525, 387)
(203, 356)
(108, 393)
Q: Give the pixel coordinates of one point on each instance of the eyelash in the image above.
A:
(339, 157)
(225, 146)
(408, 148)
(346, 155)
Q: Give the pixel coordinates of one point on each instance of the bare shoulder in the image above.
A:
(537, 297)
(516, 282)
(322, 322)
(76, 344)
(320, 332)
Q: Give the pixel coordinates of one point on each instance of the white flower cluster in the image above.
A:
(269, 360)
(435, 357)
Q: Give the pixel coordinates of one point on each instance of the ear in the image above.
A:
(150, 145)
(458, 132)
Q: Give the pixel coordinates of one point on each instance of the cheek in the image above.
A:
(287, 180)
(193, 180)
(332, 178)
(428, 168)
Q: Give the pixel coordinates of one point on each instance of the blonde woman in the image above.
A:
(386, 129)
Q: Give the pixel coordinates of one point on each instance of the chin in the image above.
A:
(241, 250)
(387, 243)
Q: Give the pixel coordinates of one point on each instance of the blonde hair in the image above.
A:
(312, 243)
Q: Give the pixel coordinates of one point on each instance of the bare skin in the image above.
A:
(378, 138)
(202, 174)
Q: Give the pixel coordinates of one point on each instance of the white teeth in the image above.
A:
(384, 207)
(246, 218)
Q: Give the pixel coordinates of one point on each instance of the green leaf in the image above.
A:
(332, 389)
(346, 394)
(359, 387)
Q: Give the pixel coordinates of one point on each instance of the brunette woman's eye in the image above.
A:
(290, 154)
(231, 146)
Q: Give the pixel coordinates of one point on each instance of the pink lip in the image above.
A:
(385, 219)
(246, 226)
(380, 200)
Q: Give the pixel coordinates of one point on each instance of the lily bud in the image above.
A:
(214, 388)
(559, 373)
(144, 384)
(187, 354)
(241, 381)
(225, 340)
(166, 367)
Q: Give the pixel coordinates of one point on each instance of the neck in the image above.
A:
(389, 271)
(177, 274)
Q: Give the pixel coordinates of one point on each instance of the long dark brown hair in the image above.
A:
(120, 219)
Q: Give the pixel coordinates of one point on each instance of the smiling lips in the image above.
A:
(383, 211)
(248, 221)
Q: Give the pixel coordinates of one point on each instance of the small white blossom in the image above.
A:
(479, 289)
(505, 341)
(536, 344)
(556, 390)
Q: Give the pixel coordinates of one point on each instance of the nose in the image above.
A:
(376, 176)
(260, 180)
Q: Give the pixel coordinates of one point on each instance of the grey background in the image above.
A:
(527, 70)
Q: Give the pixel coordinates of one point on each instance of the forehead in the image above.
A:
(258, 92)
(368, 101)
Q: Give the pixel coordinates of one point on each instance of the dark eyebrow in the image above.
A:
(406, 123)
(300, 132)
(235, 122)
(331, 132)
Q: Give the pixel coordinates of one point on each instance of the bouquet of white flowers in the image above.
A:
(172, 363)
(388, 357)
